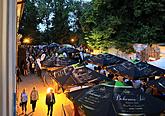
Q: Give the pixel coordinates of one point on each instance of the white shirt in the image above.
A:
(24, 97)
(64, 54)
(51, 97)
(38, 62)
(43, 57)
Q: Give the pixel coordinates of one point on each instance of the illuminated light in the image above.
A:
(27, 40)
(157, 77)
(72, 40)
(49, 89)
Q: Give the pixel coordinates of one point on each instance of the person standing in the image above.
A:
(50, 101)
(18, 74)
(34, 96)
(33, 67)
(25, 67)
(24, 98)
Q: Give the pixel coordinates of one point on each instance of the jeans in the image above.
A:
(50, 109)
(33, 102)
(24, 105)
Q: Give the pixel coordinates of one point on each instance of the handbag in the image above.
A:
(20, 104)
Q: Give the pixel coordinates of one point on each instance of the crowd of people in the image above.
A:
(34, 97)
(32, 64)
(34, 61)
(125, 81)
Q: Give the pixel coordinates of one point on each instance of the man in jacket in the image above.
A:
(34, 96)
(50, 101)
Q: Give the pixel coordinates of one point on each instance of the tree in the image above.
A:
(60, 28)
(30, 21)
(114, 22)
(45, 10)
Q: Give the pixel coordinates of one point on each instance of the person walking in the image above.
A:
(24, 98)
(34, 96)
(25, 67)
(50, 101)
(33, 67)
(18, 74)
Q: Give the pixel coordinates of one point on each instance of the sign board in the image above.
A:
(128, 101)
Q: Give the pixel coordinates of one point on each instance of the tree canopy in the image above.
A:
(99, 23)
(121, 22)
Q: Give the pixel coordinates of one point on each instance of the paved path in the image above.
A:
(41, 108)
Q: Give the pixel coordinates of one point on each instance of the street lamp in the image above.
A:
(72, 40)
(26, 40)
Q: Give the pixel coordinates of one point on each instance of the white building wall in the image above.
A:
(7, 56)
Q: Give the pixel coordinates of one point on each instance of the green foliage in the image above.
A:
(29, 21)
(100, 23)
(117, 22)
(53, 14)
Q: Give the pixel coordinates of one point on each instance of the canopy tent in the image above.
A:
(136, 71)
(105, 59)
(78, 77)
(106, 100)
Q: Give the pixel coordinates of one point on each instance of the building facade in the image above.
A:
(7, 57)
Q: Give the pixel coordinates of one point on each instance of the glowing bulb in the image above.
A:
(72, 40)
(49, 89)
(27, 40)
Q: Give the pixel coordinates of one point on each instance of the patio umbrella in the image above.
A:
(126, 68)
(53, 45)
(149, 70)
(159, 83)
(158, 63)
(107, 100)
(75, 95)
(134, 101)
(67, 50)
(105, 59)
(52, 62)
(136, 71)
(79, 77)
